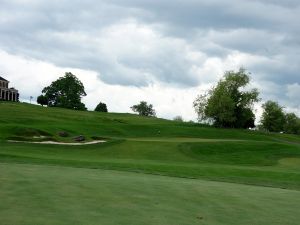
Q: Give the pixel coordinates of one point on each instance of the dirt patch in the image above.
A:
(30, 132)
(290, 162)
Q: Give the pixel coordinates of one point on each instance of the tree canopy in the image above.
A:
(227, 104)
(178, 119)
(66, 92)
(101, 107)
(292, 123)
(42, 100)
(274, 119)
(144, 109)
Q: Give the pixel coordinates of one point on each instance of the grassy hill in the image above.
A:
(23, 119)
(149, 166)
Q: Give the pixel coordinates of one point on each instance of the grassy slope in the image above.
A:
(36, 193)
(15, 118)
(178, 149)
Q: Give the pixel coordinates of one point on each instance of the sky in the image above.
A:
(163, 52)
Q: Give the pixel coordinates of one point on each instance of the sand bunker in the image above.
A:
(58, 143)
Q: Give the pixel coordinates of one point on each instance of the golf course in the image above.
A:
(141, 171)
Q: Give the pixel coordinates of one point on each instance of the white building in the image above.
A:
(6, 93)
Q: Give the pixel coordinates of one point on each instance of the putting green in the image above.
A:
(32, 194)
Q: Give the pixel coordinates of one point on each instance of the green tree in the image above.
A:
(143, 109)
(227, 105)
(273, 118)
(292, 124)
(42, 100)
(178, 118)
(66, 92)
(101, 107)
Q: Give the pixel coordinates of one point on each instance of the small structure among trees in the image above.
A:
(66, 92)
(144, 109)
(7, 93)
(227, 105)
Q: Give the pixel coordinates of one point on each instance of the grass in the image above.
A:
(249, 162)
(166, 172)
(60, 195)
(28, 119)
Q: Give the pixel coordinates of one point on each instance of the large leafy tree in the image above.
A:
(66, 92)
(273, 118)
(144, 109)
(227, 104)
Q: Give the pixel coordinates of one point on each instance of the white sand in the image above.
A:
(58, 143)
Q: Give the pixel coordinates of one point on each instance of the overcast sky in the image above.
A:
(164, 52)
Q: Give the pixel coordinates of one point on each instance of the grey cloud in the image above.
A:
(220, 14)
(161, 41)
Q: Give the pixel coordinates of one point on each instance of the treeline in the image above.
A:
(274, 119)
(226, 105)
(67, 92)
(229, 105)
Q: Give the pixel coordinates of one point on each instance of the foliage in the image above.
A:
(101, 107)
(226, 105)
(66, 92)
(292, 124)
(178, 118)
(273, 118)
(144, 109)
(42, 100)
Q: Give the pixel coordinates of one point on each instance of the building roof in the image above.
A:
(1, 78)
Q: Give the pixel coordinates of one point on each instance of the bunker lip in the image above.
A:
(58, 143)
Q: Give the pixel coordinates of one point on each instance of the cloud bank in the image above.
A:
(161, 51)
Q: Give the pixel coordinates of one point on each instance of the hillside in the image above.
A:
(27, 120)
(146, 165)
(149, 145)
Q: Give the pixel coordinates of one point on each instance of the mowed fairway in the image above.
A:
(61, 195)
(149, 171)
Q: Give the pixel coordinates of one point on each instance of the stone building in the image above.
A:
(6, 93)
